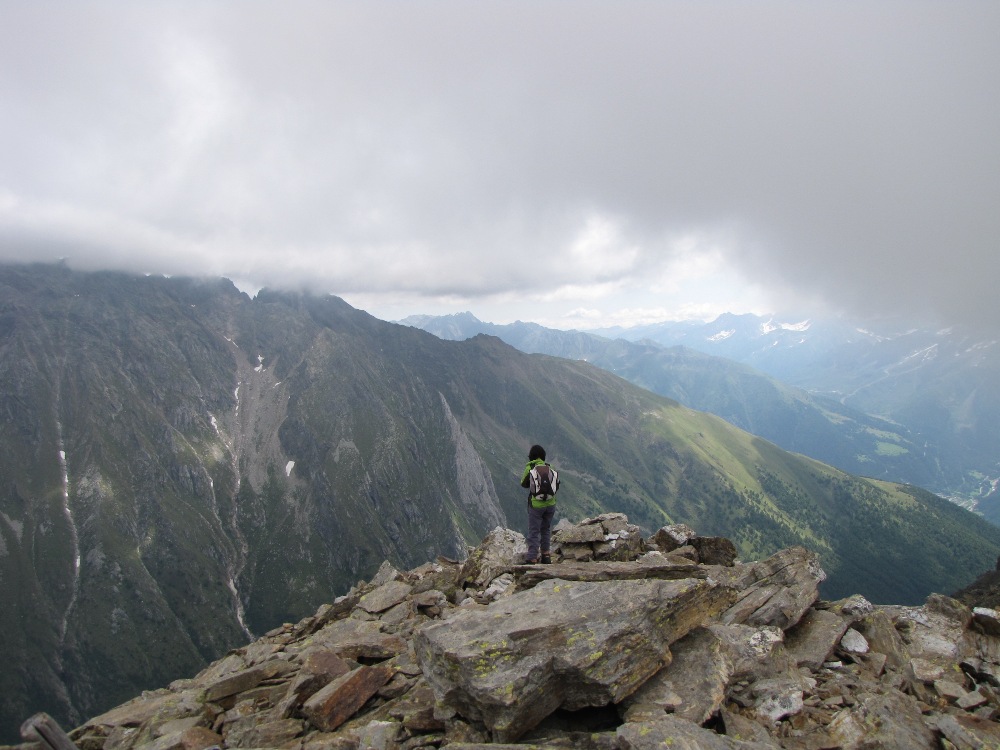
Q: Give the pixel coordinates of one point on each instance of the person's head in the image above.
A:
(536, 452)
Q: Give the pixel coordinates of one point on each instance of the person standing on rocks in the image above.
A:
(542, 482)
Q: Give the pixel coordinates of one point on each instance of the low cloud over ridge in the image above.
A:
(520, 158)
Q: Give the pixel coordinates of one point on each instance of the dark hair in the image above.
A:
(536, 452)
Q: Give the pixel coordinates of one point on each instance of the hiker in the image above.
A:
(542, 482)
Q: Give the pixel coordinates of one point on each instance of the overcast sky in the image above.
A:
(572, 163)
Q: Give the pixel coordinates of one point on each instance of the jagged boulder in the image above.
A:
(608, 536)
(889, 720)
(776, 591)
(714, 550)
(681, 539)
(695, 683)
(339, 700)
(812, 641)
(672, 537)
(693, 686)
(515, 662)
(500, 551)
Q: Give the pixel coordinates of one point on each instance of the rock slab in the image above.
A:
(563, 644)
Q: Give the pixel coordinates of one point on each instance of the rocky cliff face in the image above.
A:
(624, 643)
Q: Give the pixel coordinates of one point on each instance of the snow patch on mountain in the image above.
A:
(922, 355)
(16, 526)
(722, 335)
(980, 346)
(73, 533)
(803, 326)
(871, 334)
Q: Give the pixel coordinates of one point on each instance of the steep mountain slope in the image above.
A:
(182, 465)
(816, 425)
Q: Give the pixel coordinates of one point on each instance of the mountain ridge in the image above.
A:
(931, 435)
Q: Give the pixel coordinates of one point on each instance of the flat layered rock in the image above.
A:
(358, 639)
(891, 721)
(161, 707)
(562, 643)
(240, 682)
(579, 534)
(693, 686)
(813, 639)
(385, 597)
(195, 738)
(777, 591)
(532, 575)
(338, 701)
(674, 732)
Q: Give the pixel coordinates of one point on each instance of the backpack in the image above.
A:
(543, 482)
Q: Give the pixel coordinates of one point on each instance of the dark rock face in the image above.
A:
(983, 592)
(722, 657)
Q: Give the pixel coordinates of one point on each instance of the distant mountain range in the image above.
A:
(182, 466)
(914, 406)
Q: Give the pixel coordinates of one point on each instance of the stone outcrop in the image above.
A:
(608, 536)
(623, 643)
(517, 661)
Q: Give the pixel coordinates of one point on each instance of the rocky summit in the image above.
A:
(622, 643)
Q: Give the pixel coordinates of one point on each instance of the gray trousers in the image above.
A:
(539, 529)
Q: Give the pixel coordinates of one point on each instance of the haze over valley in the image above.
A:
(882, 399)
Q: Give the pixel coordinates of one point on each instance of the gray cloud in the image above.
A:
(838, 153)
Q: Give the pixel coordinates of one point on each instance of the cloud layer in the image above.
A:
(609, 159)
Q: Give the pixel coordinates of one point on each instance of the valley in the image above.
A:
(907, 405)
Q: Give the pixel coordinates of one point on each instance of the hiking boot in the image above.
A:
(546, 559)
(529, 560)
